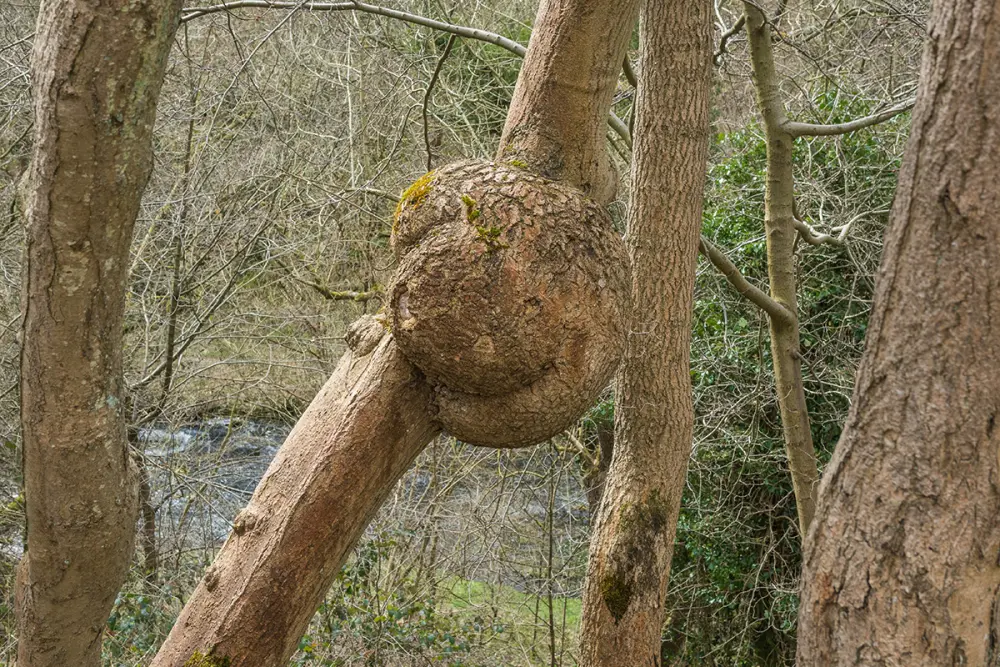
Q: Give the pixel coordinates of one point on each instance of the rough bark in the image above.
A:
(97, 70)
(633, 537)
(510, 296)
(901, 565)
(557, 117)
(351, 445)
(779, 226)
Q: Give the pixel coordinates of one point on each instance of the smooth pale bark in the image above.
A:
(633, 537)
(97, 69)
(779, 226)
(558, 115)
(901, 565)
(354, 441)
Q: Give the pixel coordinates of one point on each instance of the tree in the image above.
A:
(505, 318)
(901, 563)
(783, 231)
(634, 533)
(97, 70)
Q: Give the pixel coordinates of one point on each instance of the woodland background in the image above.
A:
(282, 142)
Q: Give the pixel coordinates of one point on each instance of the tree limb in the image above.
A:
(346, 295)
(813, 130)
(753, 294)
(726, 36)
(189, 13)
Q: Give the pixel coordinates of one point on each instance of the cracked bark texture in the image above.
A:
(510, 296)
(633, 537)
(901, 565)
(97, 69)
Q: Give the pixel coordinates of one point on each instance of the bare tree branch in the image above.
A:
(726, 36)
(189, 13)
(812, 236)
(427, 95)
(753, 294)
(811, 130)
(347, 295)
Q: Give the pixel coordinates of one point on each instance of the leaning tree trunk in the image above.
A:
(633, 540)
(506, 323)
(901, 564)
(97, 70)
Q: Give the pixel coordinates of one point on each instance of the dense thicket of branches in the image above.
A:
(282, 142)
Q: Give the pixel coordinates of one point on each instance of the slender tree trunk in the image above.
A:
(901, 566)
(377, 413)
(97, 70)
(779, 218)
(633, 537)
(558, 116)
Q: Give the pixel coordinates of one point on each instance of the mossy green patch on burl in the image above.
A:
(413, 196)
(520, 164)
(491, 237)
(471, 211)
(199, 659)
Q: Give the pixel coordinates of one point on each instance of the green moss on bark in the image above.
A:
(639, 527)
(199, 659)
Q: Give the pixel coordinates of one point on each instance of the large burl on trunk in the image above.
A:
(509, 297)
(506, 318)
(901, 563)
(500, 274)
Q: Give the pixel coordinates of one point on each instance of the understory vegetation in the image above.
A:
(282, 145)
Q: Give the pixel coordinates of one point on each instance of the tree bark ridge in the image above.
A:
(901, 566)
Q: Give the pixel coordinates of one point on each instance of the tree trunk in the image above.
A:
(351, 445)
(633, 537)
(779, 201)
(376, 414)
(558, 116)
(97, 70)
(901, 565)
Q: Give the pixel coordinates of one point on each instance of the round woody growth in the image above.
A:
(510, 296)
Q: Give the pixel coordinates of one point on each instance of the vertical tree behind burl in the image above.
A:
(783, 230)
(507, 318)
(97, 69)
(654, 417)
(901, 566)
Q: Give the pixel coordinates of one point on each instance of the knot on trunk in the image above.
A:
(511, 296)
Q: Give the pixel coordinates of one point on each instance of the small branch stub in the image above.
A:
(510, 296)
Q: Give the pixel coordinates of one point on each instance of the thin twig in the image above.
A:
(189, 13)
(430, 89)
(726, 36)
